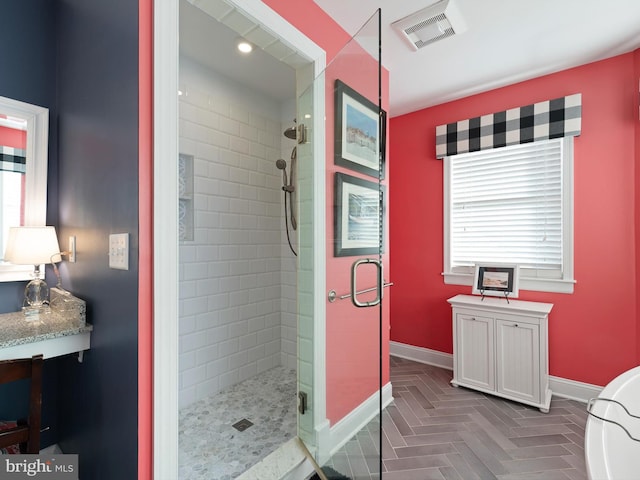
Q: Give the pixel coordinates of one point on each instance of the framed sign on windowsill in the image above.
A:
(496, 280)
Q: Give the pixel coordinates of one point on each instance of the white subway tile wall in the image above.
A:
(237, 277)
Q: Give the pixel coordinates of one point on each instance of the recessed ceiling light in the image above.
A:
(244, 46)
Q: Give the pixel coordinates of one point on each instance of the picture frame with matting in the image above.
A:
(497, 280)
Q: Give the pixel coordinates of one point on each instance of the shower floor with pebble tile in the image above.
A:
(211, 448)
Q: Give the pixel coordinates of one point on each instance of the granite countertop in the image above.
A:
(16, 330)
(67, 316)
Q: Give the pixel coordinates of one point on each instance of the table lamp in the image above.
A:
(33, 246)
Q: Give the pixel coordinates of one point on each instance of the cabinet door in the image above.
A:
(475, 351)
(518, 359)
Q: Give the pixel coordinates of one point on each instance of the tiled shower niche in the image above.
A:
(185, 197)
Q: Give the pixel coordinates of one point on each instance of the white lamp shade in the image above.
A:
(31, 245)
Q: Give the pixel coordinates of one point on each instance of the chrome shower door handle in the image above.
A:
(378, 287)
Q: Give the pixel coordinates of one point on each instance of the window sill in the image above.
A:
(535, 284)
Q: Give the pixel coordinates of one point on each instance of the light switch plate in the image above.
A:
(119, 251)
(72, 249)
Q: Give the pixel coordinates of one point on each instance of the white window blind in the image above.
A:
(506, 206)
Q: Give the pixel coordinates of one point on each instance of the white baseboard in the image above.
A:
(573, 390)
(346, 428)
(422, 355)
(561, 387)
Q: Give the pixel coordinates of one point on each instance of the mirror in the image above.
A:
(24, 137)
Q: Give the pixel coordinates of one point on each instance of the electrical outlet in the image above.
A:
(119, 251)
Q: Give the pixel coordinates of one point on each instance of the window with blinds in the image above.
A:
(509, 205)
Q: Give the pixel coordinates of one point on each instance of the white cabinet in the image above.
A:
(474, 335)
(501, 348)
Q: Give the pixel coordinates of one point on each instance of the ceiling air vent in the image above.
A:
(433, 23)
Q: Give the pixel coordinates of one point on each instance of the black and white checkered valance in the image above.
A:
(13, 159)
(561, 117)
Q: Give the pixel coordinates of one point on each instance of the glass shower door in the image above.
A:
(343, 265)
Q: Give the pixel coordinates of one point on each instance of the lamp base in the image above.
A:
(36, 298)
(34, 314)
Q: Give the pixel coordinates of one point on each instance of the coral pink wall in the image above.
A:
(636, 56)
(145, 242)
(592, 332)
(353, 334)
(10, 137)
(352, 355)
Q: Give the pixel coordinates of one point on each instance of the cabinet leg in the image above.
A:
(544, 410)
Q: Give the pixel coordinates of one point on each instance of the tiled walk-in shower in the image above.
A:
(238, 297)
(211, 448)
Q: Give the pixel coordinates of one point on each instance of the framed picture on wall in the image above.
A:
(360, 132)
(358, 212)
(496, 280)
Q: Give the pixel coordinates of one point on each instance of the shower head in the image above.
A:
(290, 133)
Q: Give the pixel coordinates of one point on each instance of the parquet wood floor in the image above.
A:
(433, 431)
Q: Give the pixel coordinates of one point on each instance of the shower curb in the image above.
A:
(287, 463)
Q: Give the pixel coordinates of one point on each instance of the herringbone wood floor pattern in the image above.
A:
(433, 431)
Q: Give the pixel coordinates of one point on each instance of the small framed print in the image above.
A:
(358, 213)
(496, 280)
(360, 132)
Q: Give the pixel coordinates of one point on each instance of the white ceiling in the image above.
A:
(203, 38)
(506, 41)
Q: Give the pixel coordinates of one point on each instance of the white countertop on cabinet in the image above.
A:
(491, 303)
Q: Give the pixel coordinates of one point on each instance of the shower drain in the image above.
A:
(242, 425)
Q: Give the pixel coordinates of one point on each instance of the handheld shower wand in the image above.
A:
(289, 187)
(292, 179)
(282, 165)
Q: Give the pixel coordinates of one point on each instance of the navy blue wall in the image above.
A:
(79, 58)
(28, 59)
(98, 195)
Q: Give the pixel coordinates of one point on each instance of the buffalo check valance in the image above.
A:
(13, 159)
(561, 117)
